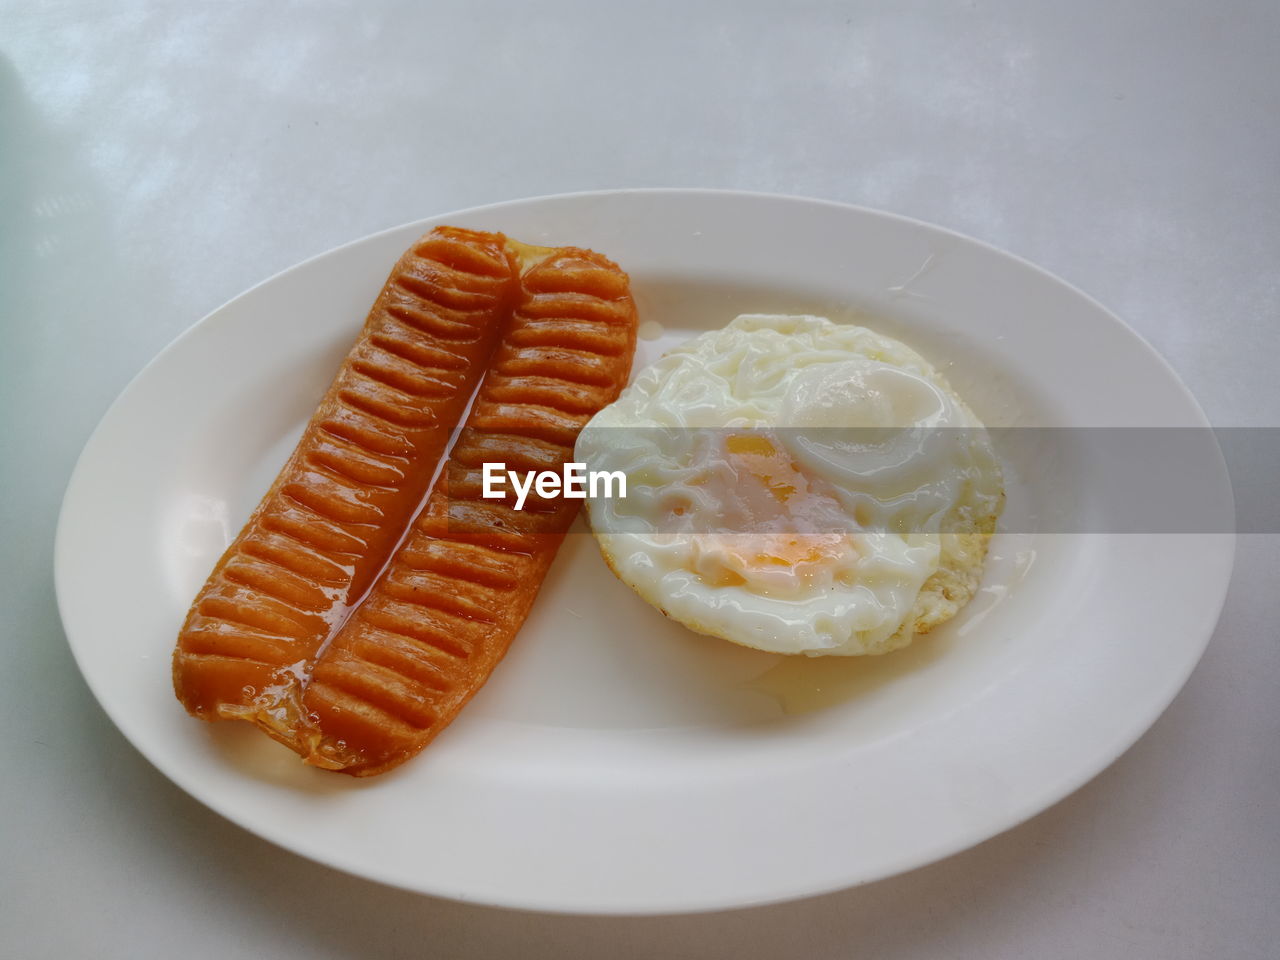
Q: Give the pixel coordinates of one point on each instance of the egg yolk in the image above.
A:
(760, 458)
(769, 550)
(763, 550)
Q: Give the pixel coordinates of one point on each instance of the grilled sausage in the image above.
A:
(442, 615)
(325, 529)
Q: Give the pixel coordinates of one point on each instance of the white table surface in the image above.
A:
(156, 159)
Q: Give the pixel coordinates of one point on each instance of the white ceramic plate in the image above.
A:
(617, 763)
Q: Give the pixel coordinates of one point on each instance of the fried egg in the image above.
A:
(796, 486)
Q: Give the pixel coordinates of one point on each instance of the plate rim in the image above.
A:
(794, 891)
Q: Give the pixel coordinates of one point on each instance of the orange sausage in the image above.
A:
(444, 612)
(341, 503)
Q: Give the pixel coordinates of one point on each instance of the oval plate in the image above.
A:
(617, 763)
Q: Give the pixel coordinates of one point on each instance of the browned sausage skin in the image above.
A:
(444, 612)
(325, 529)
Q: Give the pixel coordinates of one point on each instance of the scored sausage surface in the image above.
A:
(341, 503)
(445, 610)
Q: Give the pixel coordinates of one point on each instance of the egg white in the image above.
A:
(749, 518)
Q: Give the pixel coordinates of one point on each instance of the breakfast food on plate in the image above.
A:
(304, 628)
(790, 484)
(797, 486)
(448, 605)
(324, 530)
